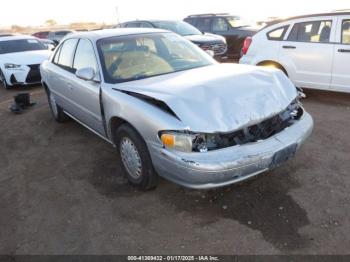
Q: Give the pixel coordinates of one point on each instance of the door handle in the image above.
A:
(344, 50)
(289, 47)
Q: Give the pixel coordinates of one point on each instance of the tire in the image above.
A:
(3, 80)
(56, 110)
(135, 159)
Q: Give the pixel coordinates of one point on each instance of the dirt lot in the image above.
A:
(61, 192)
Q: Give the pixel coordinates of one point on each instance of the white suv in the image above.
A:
(313, 50)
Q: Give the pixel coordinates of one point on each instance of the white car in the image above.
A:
(313, 50)
(20, 59)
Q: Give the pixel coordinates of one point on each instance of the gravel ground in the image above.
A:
(62, 193)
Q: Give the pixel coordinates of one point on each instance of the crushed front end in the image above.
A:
(202, 161)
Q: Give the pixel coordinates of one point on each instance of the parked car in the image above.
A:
(170, 109)
(20, 58)
(233, 28)
(313, 50)
(42, 34)
(206, 41)
(57, 36)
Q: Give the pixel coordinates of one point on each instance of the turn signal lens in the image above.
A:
(177, 141)
(168, 140)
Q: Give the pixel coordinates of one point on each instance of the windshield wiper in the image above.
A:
(141, 75)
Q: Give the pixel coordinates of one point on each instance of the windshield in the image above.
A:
(21, 45)
(141, 56)
(236, 21)
(179, 27)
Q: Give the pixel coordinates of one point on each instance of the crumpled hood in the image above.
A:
(220, 97)
(25, 58)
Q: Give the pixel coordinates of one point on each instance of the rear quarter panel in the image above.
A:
(262, 49)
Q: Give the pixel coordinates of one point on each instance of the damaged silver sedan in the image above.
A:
(172, 110)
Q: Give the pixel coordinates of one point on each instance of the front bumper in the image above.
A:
(27, 75)
(229, 165)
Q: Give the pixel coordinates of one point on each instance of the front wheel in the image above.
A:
(3, 80)
(56, 110)
(135, 159)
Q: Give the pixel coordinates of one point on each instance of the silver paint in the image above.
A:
(216, 98)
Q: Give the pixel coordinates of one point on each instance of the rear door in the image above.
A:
(61, 72)
(308, 52)
(341, 67)
(86, 94)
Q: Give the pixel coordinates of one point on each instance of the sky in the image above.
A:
(36, 12)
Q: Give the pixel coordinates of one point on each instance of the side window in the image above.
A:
(133, 25)
(190, 21)
(66, 54)
(84, 56)
(314, 32)
(145, 25)
(346, 32)
(220, 24)
(278, 33)
(203, 24)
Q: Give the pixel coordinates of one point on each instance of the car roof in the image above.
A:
(16, 37)
(209, 15)
(307, 16)
(105, 33)
(151, 21)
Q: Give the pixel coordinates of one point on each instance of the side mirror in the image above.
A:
(87, 73)
(210, 52)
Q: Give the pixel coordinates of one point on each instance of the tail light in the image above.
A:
(246, 44)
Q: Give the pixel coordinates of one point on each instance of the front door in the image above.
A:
(308, 53)
(341, 64)
(86, 94)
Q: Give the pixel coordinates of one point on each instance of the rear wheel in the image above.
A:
(56, 110)
(3, 80)
(135, 159)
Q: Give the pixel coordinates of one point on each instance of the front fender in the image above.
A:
(146, 118)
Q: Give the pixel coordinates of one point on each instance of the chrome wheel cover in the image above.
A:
(130, 157)
(53, 105)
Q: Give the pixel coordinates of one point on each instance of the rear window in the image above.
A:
(21, 45)
(204, 24)
(278, 33)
